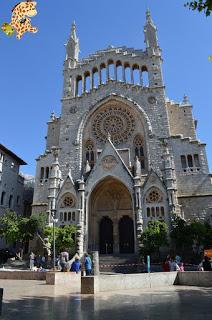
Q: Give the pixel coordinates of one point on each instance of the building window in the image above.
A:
(139, 150)
(61, 216)
(10, 201)
(3, 198)
(154, 196)
(183, 162)
(190, 161)
(89, 153)
(73, 216)
(68, 201)
(41, 173)
(47, 173)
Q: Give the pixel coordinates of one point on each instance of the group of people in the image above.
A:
(63, 264)
(173, 264)
(76, 265)
(36, 262)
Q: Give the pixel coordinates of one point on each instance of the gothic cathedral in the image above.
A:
(121, 154)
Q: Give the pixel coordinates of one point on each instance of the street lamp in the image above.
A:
(54, 220)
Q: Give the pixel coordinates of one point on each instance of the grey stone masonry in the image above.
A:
(126, 154)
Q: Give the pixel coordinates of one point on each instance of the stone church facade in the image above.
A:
(121, 154)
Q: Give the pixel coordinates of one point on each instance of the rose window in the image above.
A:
(68, 202)
(116, 121)
(154, 196)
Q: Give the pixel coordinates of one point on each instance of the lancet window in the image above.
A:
(90, 152)
(139, 150)
(155, 206)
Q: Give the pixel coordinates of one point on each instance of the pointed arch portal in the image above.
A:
(110, 219)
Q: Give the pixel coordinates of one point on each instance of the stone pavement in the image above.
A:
(33, 300)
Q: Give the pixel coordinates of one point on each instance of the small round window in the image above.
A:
(68, 201)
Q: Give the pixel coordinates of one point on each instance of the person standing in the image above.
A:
(165, 265)
(88, 265)
(31, 260)
(76, 265)
(206, 264)
(173, 266)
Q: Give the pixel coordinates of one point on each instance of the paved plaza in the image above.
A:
(29, 300)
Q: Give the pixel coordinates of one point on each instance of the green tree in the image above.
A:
(201, 5)
(18, 229)
(185, 234)
(9, 228)
(64, 237)
(153, 237)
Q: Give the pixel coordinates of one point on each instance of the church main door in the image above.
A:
(126, 235)
(109, 202)
(106, 236)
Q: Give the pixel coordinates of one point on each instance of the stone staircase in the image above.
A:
(120, 263)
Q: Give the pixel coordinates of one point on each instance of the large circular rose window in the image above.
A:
(114, 120)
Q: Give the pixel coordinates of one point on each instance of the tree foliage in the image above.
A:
(186, 234)
(64, 237)
(201, 5)
(18, 229)
(153, 237)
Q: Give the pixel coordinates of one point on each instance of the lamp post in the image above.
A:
(54, 220)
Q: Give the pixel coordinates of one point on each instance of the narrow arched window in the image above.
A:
(190, 161)
(95, 78)
(3, 197)
(127, 71)
(111, 70)
(89, 152)
(119, 74)
(103, 73)
(87, 85)
(183, 162)
(41, 173)
(139, 150)
(136, 74)
(145, 76)
(162, 211)
(47, 172)
(10, 201)
(79, 86)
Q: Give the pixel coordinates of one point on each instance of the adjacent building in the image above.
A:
(11, 182)
(120, 154)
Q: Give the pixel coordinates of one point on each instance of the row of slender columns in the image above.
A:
(108, 77)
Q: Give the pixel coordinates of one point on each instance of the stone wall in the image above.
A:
(181, 119)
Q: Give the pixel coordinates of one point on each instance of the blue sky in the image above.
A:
(31, 69)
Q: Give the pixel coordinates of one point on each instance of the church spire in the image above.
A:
(72, 46)
(150, 32)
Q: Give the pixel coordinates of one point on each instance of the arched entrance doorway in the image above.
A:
(106, 236)
(109, 202)
(126, 235)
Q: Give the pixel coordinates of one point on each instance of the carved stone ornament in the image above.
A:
(68, 185)
(152, 100)
(73, 109)
(109, 162)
